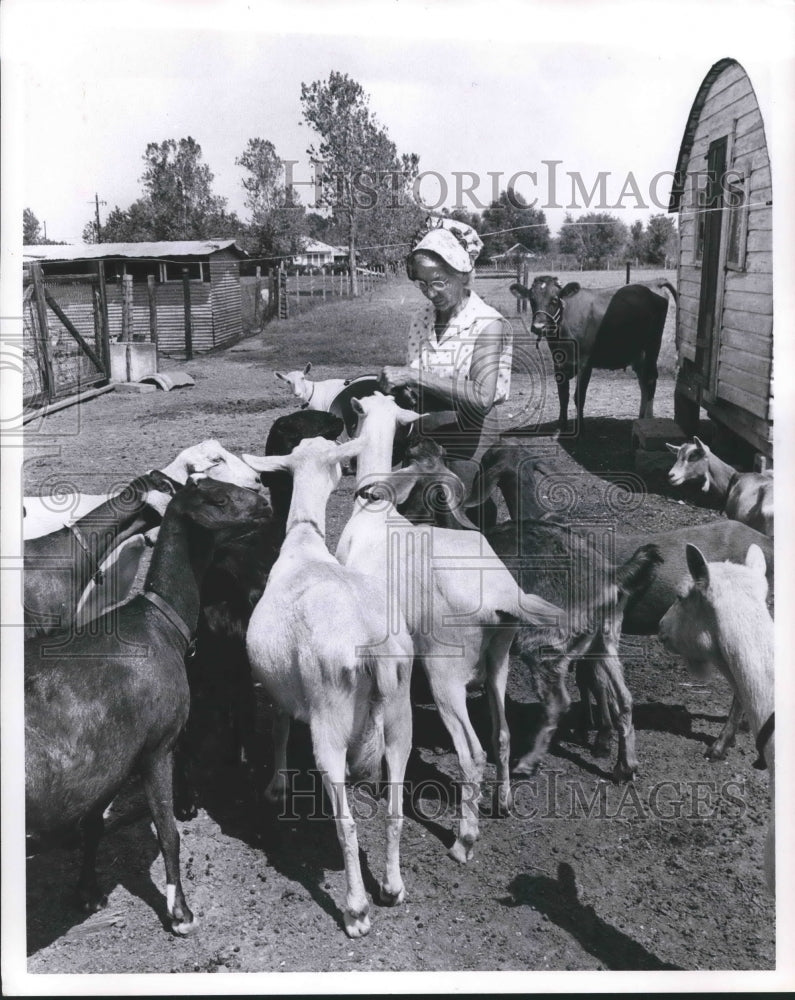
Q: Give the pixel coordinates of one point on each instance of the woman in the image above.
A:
(459, 348)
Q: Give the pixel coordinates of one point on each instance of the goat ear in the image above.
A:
(400, 484)
(279, 375)
(350, 449)
(673, 448)
(519, 291)
(701, 445)
(307, 367)
(569, 289)
(755, 560)
(697, 564)
(269, 463)
(409, 416)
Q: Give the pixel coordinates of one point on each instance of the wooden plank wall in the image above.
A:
(226, 299)
(744, 364)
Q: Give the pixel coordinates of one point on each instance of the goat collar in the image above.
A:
(761, 741)
(98, 577)
(365, 493)
(312, 524)
(165, 609)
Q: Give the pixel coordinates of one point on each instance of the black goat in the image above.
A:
(223, 699)
(99, 707)
(60, 566)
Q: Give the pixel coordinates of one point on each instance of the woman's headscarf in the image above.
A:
(455, 242)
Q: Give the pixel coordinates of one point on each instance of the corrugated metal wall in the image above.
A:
(226, 301)
(170, 315)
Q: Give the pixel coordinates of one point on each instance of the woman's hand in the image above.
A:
(396, 377)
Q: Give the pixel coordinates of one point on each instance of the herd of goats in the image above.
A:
(242, 589)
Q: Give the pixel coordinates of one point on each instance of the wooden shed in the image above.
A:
(213, 271)
(722, 192)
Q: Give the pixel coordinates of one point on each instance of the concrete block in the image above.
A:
(652, 434)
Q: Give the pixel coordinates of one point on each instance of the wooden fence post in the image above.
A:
(103, 309)
(188, 317)
(44, 329)
(151, 291)
(628, 266)
(258, 300)
(126, 308)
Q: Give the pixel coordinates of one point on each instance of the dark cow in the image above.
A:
(591, 328)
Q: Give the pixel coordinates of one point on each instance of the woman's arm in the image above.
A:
(477, 392)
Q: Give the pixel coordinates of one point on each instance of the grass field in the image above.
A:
(345, 333)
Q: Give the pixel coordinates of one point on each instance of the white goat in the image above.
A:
(722, 620)
(461, 604)
(746, 496)
(315, 395)
(45, 514)
(323, 644)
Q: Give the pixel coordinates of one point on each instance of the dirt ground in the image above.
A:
(661, 874)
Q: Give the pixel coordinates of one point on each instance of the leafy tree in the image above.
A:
(660, 239)
(178, 187)
(636, 243)
(594, 239)
(277, 225)
(177, 201)
(512, 221)
(364, 180)
(31, 228)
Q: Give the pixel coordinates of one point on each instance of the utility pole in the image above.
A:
(97, 230)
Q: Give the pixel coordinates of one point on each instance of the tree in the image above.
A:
(277, 225)
(31, 228)
(661, 238)
(178, 186)
(364, 182)
(636, 244)
(177, 202)
(512, 220)
(594, 239)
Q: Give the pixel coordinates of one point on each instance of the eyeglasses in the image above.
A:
(435, 286)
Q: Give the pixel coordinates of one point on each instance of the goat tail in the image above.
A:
(664, 283)
(367, 751)
(636, 574)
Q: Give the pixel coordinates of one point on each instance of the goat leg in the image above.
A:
(331, 763)
(620, 705)
(90, 897)
(397, 747)
(158, 783)
(727, 737)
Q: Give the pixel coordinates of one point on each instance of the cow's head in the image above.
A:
(546, 298)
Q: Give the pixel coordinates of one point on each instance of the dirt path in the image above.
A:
(661, 874)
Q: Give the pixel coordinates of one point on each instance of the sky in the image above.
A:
(491, 89)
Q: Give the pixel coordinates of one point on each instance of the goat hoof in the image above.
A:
(623, 773)
(526, 768)
(91, 902)
(715, 754)
(185, 811)
(389, 898)
(461, 852)
(183, 926)
(357, 924)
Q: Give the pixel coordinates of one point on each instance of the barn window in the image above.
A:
(197, 270)
(737, 224)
